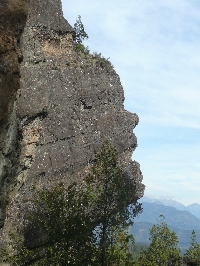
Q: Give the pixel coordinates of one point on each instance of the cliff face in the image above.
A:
(56, 107)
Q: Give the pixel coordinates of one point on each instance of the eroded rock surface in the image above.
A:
(56, 107)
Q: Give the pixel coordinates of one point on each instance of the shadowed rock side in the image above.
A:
(64, 106)
(13, 15)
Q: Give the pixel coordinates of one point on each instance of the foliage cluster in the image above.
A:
(102, 61)
(192, 255)
(114, 197)
(80, 36)
(83, 224)
(60, 216)
(163, 249)
(80, 31)
(136, 249)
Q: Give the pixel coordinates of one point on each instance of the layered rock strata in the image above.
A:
(57, 107)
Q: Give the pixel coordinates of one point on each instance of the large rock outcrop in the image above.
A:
(56, 107)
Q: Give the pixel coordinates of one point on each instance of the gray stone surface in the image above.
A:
(60, 108)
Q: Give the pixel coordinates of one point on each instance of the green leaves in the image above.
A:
(114, 193)
(61, 217)
(82, 224)
(80, 36)
(192, 255)
(163, 248)
(117, 252)
(80, 31)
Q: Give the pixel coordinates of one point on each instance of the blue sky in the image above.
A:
(155, 48)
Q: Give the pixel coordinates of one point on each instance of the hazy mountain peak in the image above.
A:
(192, 208)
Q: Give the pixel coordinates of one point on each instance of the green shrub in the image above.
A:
(102, 62)
(80, 48)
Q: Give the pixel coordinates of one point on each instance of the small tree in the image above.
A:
(192, 255)
(80, 36)
(163, 249)
(80, 31)
(115, 199)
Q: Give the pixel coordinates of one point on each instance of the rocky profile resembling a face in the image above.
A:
(64, 106)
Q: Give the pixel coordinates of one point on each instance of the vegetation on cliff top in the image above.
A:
(84, 52)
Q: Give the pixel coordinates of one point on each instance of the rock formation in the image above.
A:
(56, 107)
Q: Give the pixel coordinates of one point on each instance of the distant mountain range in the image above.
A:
(192, 208)
(179, 218)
